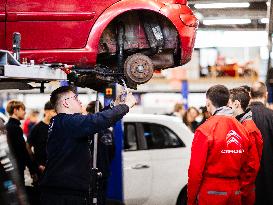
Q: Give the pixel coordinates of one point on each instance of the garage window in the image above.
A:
(160, 137)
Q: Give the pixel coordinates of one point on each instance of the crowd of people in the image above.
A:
(192, 117)
(231, 154)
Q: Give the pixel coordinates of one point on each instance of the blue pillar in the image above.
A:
(185, 92)
(64, 83)
(115, 185)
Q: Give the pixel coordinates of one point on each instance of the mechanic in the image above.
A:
(66, 177)
(106, 153)
(219, 151)
(16, 141)
(239, 100)
(263, 118)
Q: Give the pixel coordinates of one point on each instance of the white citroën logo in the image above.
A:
(234, 145)
(233, 137)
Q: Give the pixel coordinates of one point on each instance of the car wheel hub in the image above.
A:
(138, 68)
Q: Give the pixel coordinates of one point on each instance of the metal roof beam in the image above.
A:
(232, 13)
(248, 27)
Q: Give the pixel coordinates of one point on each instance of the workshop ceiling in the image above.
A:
(242, 14)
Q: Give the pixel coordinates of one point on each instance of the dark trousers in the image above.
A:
(102, 191)
(21, 175)
(56, 199)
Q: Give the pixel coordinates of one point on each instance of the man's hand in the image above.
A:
(41, 168)
(119, 93)
(130, 100)
(124, 97)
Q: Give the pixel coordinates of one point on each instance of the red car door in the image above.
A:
(2, 23)
(52, 24)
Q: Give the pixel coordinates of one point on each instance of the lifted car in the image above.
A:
(130, 38)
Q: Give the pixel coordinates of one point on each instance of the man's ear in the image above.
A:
(15, 111)
(237, 104)
(208, 104)
(65, 104)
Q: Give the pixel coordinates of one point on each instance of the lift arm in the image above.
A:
(10, 69)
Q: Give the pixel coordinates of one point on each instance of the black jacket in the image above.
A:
(17, 145)
(263, 118)
(106, 152)
(38, 139)
(68, 157)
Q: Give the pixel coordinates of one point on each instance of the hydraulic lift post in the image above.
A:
(95, 173)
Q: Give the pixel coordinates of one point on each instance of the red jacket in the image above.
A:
(249, 174)
(219, 149)
(256, 134)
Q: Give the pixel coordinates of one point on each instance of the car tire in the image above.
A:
(182, 198)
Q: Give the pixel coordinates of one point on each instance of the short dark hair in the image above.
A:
(48, 106)
(241, 95)
(218, 95)
(90, 108)
(258, 90)
(57, 94)
(246, 87)
(203, 109)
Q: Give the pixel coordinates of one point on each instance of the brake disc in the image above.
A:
(138, 68)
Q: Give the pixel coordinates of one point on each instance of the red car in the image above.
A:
(132, 37)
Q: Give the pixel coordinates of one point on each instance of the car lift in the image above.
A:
(16, 75)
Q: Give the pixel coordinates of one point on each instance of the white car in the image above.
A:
(156, 159)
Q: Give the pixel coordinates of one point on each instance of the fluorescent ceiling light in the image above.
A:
(222, 5)
(231, 39)
(226, 21)
(264, 20)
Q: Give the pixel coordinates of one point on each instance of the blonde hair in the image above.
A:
(14, 104)
(178, 107)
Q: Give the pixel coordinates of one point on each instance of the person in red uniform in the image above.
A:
(219, 152)
(239, 100)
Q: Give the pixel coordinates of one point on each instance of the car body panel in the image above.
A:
(2, 23)
(169, 166)
(135, 177)
(163, 169)
(70, 31)
(53, 24)
(187, 34)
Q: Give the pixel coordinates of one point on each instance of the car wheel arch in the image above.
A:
(132, 20)
(119, 9)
